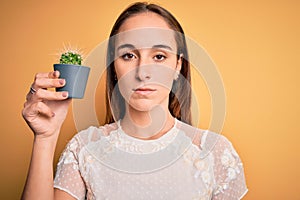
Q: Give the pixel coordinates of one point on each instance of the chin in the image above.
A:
(141, 105)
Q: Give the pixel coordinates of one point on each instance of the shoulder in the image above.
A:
(93, 134)
(206, 140)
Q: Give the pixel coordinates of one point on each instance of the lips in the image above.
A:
(144, 90)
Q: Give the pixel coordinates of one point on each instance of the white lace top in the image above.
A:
(185, 163)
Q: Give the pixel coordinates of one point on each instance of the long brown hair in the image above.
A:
(180, 95)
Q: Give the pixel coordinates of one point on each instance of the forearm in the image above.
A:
(39, 184)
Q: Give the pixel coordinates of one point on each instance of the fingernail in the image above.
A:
(62, 81)
(65, 94)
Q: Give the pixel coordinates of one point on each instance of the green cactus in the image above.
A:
(70, 57)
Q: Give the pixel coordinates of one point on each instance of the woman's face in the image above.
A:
(146, 61)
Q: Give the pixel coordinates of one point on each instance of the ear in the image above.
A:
(179, 63)
(178, 67)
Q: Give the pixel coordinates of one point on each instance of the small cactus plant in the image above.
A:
(72, 71)
(70, 57)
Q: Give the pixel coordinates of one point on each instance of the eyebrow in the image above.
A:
(162, 46)
(158, 46)
(123, 46)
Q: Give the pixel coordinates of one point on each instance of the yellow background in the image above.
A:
(255, 45)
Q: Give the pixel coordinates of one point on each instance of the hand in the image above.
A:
(45, 110)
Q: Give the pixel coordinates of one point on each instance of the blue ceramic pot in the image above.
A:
(76, 77)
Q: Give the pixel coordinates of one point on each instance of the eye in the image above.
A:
(159, 57)
(128, 56)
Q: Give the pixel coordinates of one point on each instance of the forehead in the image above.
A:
(145, 30)
(146, 38)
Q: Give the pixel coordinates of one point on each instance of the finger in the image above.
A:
(30, 93)
(38, 108)
(52, 74)
(42, 95)
(48, 83)
(25, 104)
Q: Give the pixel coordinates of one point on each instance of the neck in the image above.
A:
(147, 124)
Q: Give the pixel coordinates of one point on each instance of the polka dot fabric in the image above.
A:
(209, 169)
(228, 170)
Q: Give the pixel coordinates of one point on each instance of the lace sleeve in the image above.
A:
(229, 172)
(68, 176)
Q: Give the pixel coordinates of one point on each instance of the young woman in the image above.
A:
(147, 149)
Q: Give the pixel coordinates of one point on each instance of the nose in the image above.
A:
(143, 71)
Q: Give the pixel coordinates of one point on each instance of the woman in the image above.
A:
(147, 149)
